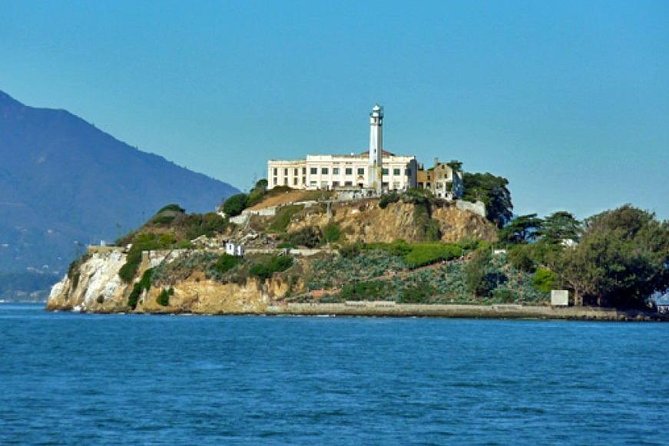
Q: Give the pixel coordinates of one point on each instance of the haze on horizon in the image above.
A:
(568, 100)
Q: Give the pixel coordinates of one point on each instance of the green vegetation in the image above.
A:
(309, 237)
(265, 268)
(544, 280)
(143, 242)
(281, 220)
(73, 271)
(235, 204)
(493, 192)
(428, 253)
(386, 199)
(144, 284)
(331, 233)
(163, 298)
(225, 263)
(622, 259)
(172, 207)
(370, 290)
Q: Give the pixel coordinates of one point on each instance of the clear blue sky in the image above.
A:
(568, 99)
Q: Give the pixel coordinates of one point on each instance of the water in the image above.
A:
(115, 379)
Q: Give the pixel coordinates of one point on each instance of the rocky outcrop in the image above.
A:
(366, 222)
(95, 286)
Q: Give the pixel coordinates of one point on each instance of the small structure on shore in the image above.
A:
(559, 298)
(234, 249)
(662, 304)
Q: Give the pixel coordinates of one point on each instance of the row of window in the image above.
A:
(335, 171)
(324, 184)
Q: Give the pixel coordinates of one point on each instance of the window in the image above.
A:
(335, 171)
(304, 171)
(304, 180)
(274, 182)
(313, 183)
(349, 171)
(313, 170)
(335, 184)
(361, 171)
(285, 181)
(294, 181)
(295, 172)
(324, 170)
(285, 172)
(348, 183)
(384, 171)
(396, 171)
(275, 169)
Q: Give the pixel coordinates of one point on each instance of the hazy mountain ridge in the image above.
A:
(65, 183)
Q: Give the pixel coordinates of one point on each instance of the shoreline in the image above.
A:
(452, 311)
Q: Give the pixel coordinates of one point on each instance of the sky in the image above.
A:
(569, 100)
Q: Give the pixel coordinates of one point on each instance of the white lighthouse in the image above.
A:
(376, 148)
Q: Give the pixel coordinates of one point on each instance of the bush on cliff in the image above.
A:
(386, 199)
(265, 268)
(309, 237)
(163, 298)
(144, 284)
(282, 218)
(235, 204)
(226, 262)
(143, 242)
(331, 233)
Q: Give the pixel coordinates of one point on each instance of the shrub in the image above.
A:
(283, 216)
(225, 263)
(503, 295)
(386, 199)
(417, 294)
(428, 253)
(396, 248)
(235, 204)
(520, 257)
(309, 237)
(144, 284)
(544, 280)
(163, 298)
(370, 290)
(143, 242)
(172, 207)
(351, 250)
(331, 233)
(267, 267)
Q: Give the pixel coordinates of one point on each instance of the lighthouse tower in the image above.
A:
(376, 148)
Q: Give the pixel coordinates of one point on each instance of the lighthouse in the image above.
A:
(376, 148)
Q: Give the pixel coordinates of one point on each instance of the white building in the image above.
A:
(233, 249)
(374, 169)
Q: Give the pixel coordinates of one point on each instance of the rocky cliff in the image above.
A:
(196, 279)
(95, 286)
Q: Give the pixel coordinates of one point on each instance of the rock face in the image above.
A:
(95, 286)
(366, 222)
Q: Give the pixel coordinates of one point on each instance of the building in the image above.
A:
(443, 180)
(374, 169)
(234, 249)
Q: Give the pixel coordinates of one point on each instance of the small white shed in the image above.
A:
(560, 298)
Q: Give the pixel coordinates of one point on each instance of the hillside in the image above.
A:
(64, 184)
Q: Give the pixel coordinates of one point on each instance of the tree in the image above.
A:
(560, 226)
(622, 259)
(257, 192)
(493, 192)
(235, 204)
(522, 229)
(455, 165)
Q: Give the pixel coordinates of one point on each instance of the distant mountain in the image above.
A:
(64, 184)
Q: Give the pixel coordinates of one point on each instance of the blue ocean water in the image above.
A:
(127, 379)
